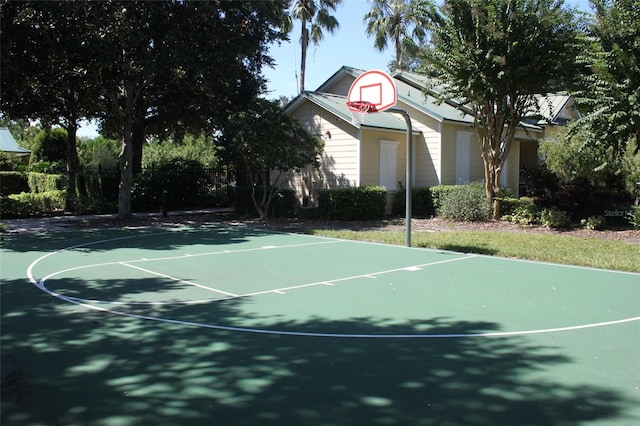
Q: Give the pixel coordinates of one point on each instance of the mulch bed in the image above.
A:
(299, 225)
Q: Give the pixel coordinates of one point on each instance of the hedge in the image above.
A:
(464, 203)
(353, 203)
(44, 182)
(13, 183)
(30, 204)
(421, 203)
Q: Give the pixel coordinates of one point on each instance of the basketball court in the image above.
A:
(230, 325)
(226, 324)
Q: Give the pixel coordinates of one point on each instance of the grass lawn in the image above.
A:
(591, 252)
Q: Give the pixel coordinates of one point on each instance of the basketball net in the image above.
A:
(359, 109)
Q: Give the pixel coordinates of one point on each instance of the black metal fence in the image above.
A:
(169, 186)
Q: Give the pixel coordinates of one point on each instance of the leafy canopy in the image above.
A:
(610, 94)
(490, 58)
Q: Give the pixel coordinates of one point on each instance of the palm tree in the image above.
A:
(400, 21)
(315, 17)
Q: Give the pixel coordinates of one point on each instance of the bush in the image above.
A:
(353, 203)
(284, 203)
(437, 192)
(523, 212)
(421, 203)
(50, 146)
(44, 182)
(30, 204)
(13, 183)
(465, 203)
(554, 218)
(634, 217)
(594, 223)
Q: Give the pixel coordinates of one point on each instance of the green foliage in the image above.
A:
(578, 197)
(437, 192)
(402, 25)
(44, 182)
(191, 148)
(98, 154)
(522, 211)
(353, 203)
(315, 17)
(634, 216)
(55, 167)
(465, 203)
(554, 218)
(284, 203)
(631, 170)
(421, 202)
(268, 146)
(569, 155)
(30, 204)
(489, 54)
(13, 183)
(182, 183)
(594, 223)
(609, 91)
(51, 146)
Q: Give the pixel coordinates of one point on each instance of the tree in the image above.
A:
(610, 91)
(191, 66)
(492, 57)
(399, 21)
(152, 67)
(44, 68)
(315, 17)
(270, 146)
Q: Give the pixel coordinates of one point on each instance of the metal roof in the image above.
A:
(9, 144)
(411, 93)
(337, 105)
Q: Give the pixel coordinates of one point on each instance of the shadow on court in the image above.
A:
(168, 238)
(64, 365)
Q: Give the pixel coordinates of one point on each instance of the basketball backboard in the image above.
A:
(375, 88)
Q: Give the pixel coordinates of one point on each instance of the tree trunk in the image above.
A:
(126, 175)
(126, 155)
(304, 42)
(73, 164)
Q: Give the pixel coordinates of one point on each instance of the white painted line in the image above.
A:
(178, 279)
(41, 285)
(413, 268)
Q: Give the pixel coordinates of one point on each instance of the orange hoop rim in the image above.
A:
(362, 107)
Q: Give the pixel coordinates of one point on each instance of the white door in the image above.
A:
(389, 164)
(463, 146)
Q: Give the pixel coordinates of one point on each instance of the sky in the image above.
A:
(349, 45)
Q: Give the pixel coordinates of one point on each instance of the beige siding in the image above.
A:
(427, 151)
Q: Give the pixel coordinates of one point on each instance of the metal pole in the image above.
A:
(408, 168)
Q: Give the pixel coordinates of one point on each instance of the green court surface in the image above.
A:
(229, 325)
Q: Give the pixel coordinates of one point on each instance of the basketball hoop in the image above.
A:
(359, 109)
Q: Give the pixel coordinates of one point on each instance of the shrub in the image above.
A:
(13, 183)
(438, 191)
(465, 203)
(51, 146)
(284, 203)
(594, 223)
(634, 216)
(421, 203)
(524, 212)
(353, 203)
(30, 204)
(44, 182)
(554, 218)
